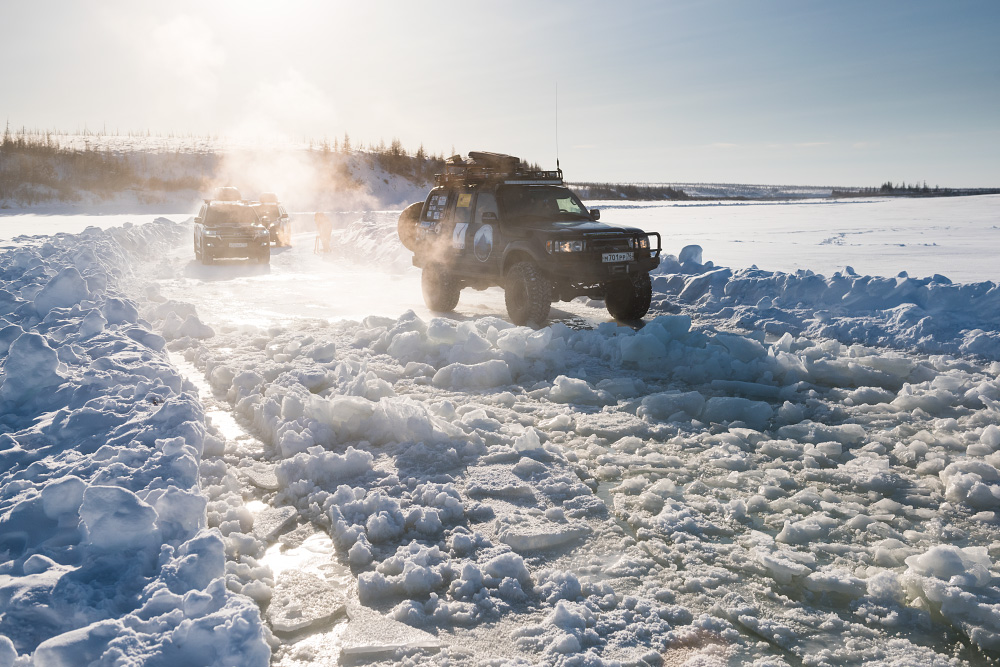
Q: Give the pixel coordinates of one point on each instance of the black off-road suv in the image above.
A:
(226, 228)
(492, 221)
(273, 215)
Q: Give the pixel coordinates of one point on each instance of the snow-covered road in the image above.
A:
(722, 486)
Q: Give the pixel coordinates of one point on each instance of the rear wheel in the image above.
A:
(406, 227)
(629, 298)
(441, 290)
(527, 293)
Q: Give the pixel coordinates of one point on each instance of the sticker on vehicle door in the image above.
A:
(458, 236)
(483, 243)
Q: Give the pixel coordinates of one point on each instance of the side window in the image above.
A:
(435, 208)
(463, 208)
(486, 203)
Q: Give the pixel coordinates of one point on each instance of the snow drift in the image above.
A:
(103, 541)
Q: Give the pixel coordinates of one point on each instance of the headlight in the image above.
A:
(211, 232)
(564, 246)
(644, 242)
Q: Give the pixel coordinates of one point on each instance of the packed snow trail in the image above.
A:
(602, 493)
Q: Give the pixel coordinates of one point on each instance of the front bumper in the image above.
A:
(589, 266)
(236, 246)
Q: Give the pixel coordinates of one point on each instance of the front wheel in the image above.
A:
(629, 298)
(264, 257)
(527, 293)
(441, 290)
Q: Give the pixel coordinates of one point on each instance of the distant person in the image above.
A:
(324, 228)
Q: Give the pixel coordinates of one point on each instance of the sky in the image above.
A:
(783, 92)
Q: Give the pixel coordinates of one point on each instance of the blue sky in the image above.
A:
(781, 92)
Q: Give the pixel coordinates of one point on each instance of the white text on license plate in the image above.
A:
(618, 257)
(237, 245)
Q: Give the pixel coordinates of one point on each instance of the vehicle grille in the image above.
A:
(613, 244)
(233, 233)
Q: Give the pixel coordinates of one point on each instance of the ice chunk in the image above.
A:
(836, 581)
(30, 367)
(8, 334)
(523, 342)
(664, 405)
(641, 347)
(368, 632)
(497, 481)
(755, 414)
(67, 288)
(193, 328)
(269, 523)
(7, 652)
(302, 599)
(573, 390)
(263, 478)
(744, 348)
(485, 375)
(690, 254)
(83, 646)
(969, 566)
(526, 534)
(115, 518)
(63, 496)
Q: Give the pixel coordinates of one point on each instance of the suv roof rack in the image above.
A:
(482, 166)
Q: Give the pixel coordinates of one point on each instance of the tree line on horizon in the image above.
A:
(36, 168)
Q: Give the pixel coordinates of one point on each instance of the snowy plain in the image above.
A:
(300, 464)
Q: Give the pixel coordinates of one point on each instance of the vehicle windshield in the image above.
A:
(230, 214)
(532, 203)
(268, 210)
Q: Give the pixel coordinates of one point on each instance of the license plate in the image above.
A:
(237, 245)
(618, 257)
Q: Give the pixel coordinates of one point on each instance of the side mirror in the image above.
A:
(197, 220)
(595, 213)
(489, 216)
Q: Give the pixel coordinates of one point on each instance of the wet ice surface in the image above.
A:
(658, 495)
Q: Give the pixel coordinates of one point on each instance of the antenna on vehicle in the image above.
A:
(557, 127)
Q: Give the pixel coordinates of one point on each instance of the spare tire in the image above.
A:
(409, 219)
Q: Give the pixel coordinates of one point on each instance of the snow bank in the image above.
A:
(104, 549)
(929, 314)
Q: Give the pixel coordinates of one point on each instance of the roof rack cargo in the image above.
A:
(482, 166)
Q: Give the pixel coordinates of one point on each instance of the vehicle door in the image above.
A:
(445, 222)
(199, 227)
(482, 252)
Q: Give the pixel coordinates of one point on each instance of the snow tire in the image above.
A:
(528, 294)
(629, 299)
(441, 290)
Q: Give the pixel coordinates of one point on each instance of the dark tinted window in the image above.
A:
(528, 203)
(230, 214)
(270, 210)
